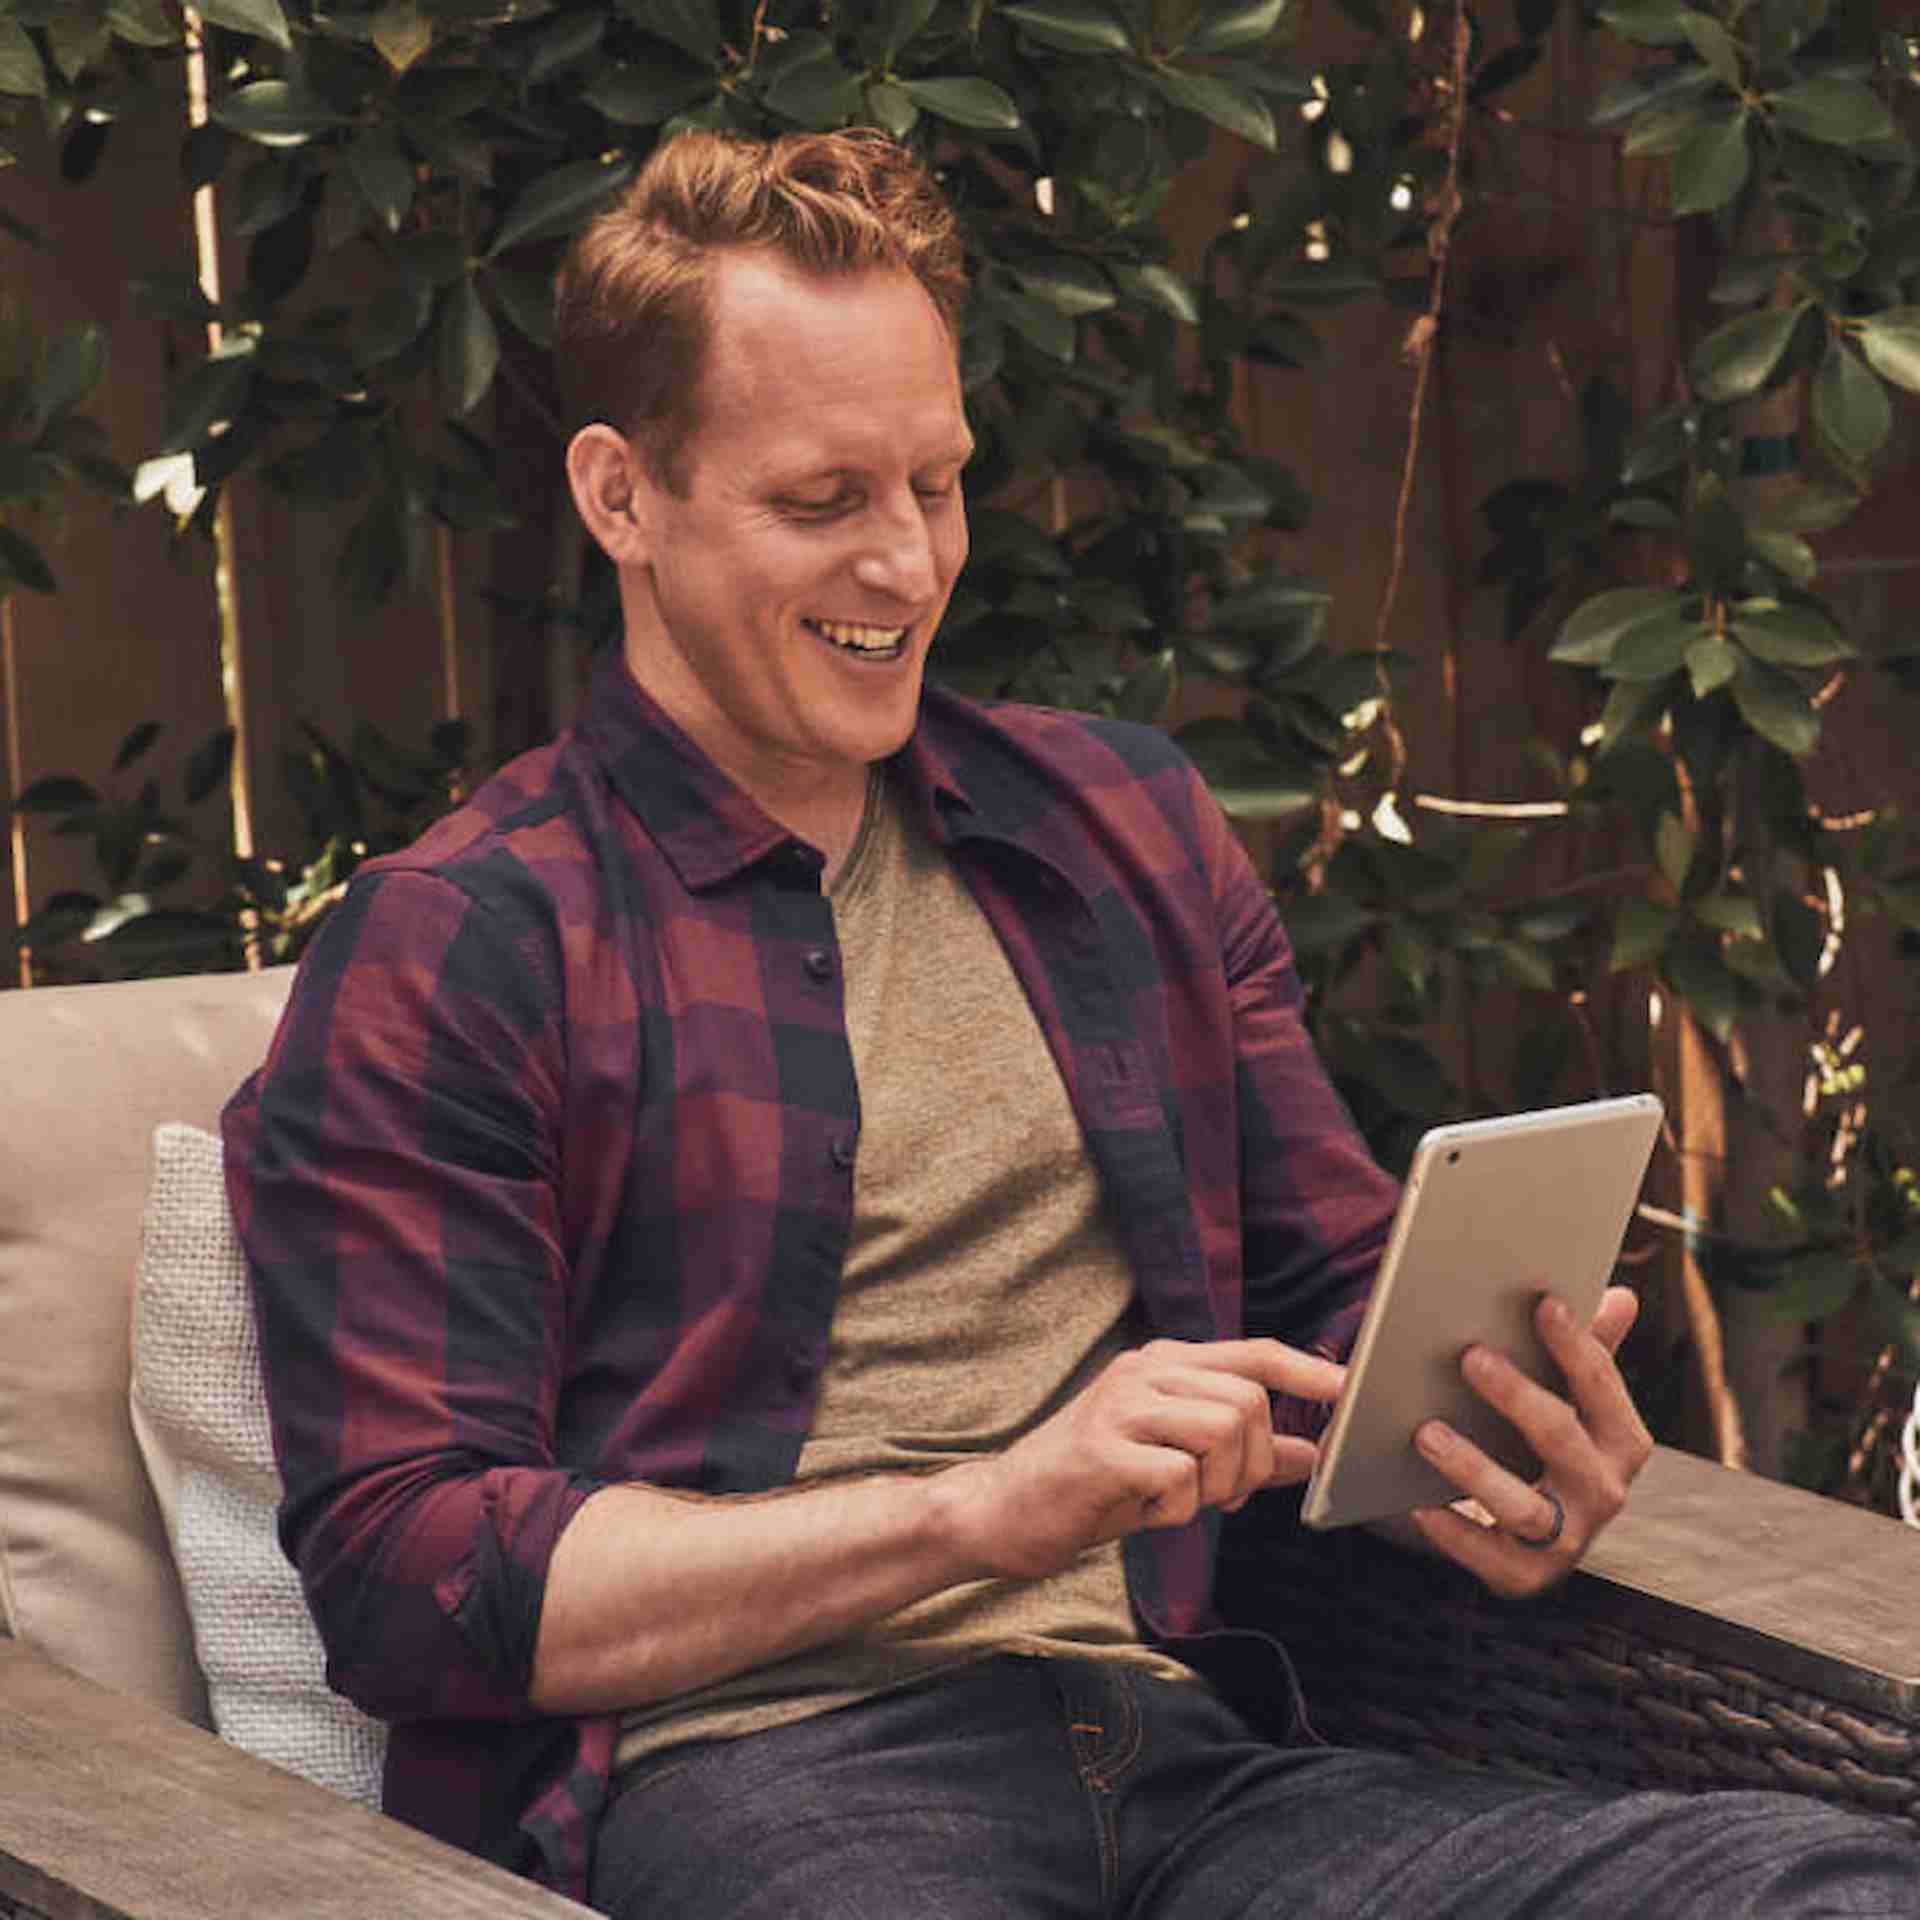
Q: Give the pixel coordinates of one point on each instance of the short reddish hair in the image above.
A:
(633, 307)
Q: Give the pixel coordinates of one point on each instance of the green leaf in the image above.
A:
(966, 102)
(1659, 447)
(146, 23)
(1673, 850)
(136, 744)
(391, 322)
(1072, 26)
(1148, 688)
(1665, 128)
(1711, 663)
(467, 349)
(1238, 109)
(1157, 286)
(691, 25)
(892, 107)
(382, 173)
(1835, 111)
(1525, 964)
(1735, 361)
(1322, 282)
(261, 18)
(1038, 322)
(1647, 23)
(1644, 512)
(1229, 28)
(1714, 45)
(643, 96)
(526, 298)
(1651, 87)
(1595, 629)
(1786, 553)
(207, 766)
(1632, 707)
(904, 22)
(1799, 938)
(21, 73)
(1811, 1286)
(561, 201)
(1640, 931)
(811, 87)
(1247, 781)
(214, 392)
(1790, 636)
(57, 793)
(1064, 280)
(1732, 913)
(69, 373)
(1653, 649)
(275, 113)
(1693, 969)
(1773, 705)
(1551, 920)
(564, 42)
(78, 39)
(21, 560)
(1711, 165)
(1324, 922)
(1891, 342)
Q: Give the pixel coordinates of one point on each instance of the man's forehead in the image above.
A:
(798, 357)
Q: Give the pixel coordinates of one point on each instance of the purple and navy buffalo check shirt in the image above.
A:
(547, 1180)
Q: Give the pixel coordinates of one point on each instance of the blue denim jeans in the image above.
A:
(1030, 1789)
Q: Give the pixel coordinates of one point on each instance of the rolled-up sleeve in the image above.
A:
(393, 1173)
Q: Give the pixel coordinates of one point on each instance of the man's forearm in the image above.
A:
(652, 1594)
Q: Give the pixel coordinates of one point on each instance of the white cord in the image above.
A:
(1910, 1465)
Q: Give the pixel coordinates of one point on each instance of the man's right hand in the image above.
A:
(1167, 1429)
(650, 1594)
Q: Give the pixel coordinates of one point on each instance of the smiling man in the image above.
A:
(778, 1227)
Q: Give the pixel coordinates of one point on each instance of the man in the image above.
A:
(780, 1226)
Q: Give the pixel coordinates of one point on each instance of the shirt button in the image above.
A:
(842, 1151)
(818, 963)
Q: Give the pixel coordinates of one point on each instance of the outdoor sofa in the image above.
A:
(1727, 1631)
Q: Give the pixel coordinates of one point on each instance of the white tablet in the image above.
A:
(1494, 1214)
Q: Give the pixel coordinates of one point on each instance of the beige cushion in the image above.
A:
(91, 1071)
(200, 1411)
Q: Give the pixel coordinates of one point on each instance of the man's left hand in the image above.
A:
(1591, 1444)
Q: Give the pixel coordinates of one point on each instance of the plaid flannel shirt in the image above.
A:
(548, 1177)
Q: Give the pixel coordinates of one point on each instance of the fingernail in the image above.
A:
(1553, 1310)
(1435, 1439)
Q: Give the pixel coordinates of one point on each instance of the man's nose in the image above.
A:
(898, 555)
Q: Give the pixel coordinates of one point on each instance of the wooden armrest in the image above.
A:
(1725, 1631)
(1817, 1594)
(113, 1810)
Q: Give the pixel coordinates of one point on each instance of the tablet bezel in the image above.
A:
(1494, 1213)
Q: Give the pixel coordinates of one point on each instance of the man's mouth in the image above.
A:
(851, 636)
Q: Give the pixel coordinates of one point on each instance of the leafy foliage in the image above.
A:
(403, 173)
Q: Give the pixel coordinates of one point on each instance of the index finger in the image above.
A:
(1276, 1366)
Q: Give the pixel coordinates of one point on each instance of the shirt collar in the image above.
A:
(709, 830)
(705, 826)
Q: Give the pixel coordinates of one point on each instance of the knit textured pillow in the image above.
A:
(201, 1417)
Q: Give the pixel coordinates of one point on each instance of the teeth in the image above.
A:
(859, 639)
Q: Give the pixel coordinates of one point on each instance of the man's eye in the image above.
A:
(824, 507)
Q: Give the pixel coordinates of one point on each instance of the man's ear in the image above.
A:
(611, 492)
